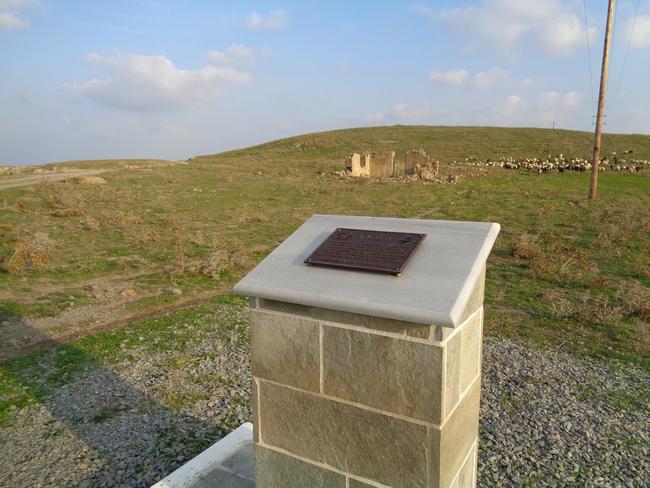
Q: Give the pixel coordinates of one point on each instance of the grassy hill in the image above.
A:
(81, 257)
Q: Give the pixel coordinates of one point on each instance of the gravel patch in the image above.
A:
(547, 418)
(550, 419)
(134, 422)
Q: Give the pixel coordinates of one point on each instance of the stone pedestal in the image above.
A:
(367, 380)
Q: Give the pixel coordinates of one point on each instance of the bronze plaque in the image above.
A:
(366, 250)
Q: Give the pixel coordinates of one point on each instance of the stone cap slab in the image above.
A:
(433, 289)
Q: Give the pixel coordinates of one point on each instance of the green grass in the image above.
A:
(159, 225)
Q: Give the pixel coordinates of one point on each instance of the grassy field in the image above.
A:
(78, 258)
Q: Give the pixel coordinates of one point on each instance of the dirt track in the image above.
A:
(7, 183)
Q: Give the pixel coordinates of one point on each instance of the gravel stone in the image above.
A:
(547, 417)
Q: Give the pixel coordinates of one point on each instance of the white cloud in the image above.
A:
(487, 78)
(553, 26)
(482, 79)
(275, 20)
(10, 21)
(524, 84)
(513, 105)
(376, 118)
(142, 83)
(640, 34)
(9, 18)
(553, 100)
(405, 112)
(452, 77)
(237, 54)
(562, 35)
(17, 4)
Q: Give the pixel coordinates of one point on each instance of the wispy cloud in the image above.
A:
(376, 118)
(410, 113)
(553, 27)
(639, 31)
(451, 77)
(485, 79)
(482, 79)
(275, 20)
(237, 54)
(10, 11)
(145, 83)
(554, 99)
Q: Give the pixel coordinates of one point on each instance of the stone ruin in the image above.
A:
(371, 164)
(418, 158)
(382, 165)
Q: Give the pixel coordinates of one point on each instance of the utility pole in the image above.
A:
(601, 102)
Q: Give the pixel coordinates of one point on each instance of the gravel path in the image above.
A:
(547, 418)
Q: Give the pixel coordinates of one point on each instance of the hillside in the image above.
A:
(157, 235)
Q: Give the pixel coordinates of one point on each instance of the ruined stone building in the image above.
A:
(418, 158)
(372, 164)
(383, 165)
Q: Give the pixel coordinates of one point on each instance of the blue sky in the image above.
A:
(171, 79)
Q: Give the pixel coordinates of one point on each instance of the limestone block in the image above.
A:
(285, 349)
(390, 374)
(256, 415)
(466, 475)
(470, 350)
(476, 298)
(286, 307)
(410, 329)
(363, 443)
(452, 374)
(382, 164)
(357, 164)
(277, 470)
(441, 333)
(452, 443)
(364, 165)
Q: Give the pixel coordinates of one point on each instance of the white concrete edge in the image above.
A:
(470, 283)
(407, 314)
(213, 455)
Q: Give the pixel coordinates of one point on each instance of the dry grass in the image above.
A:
(63, 203)
(634, 298)
(88, 223)
(69, 212)
(121, 219)
(151, 236)
(22, 204)
(30, 253)
(215, 218)
(527, 247)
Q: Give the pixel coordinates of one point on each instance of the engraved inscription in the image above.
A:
(366, 250)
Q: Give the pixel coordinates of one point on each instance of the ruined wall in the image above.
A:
(357, 165)
(382, 164)
(413, 158)
(373, 164)
(418, 158)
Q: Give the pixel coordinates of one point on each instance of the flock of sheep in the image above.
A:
(561, 164)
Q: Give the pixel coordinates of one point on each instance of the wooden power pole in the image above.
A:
(601, 102)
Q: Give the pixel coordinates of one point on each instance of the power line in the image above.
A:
(627, 51)
(591, 71)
